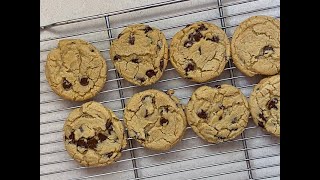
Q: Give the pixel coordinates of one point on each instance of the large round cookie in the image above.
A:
(217, 114)
(200, 51)
(265, 104)
(76, 70)
(94, 136)
(155, 119)
(140, 54)
(255, 46)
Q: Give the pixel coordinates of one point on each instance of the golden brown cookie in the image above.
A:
(140, 54)
(217, 114)
(265, 104)
(200, 51)
(75, 70)
(94, 136)
(255, 46)
(155, 119)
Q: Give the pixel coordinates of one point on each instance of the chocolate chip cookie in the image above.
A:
(155, 119)
(255, 46)
(94, 136)
(217, 114)
(200, 51)
(265, 104)
(75, 70)
(140, 54)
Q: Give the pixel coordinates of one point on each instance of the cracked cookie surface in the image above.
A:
(75, 70)
(265, 104)
(217, 114)
(140, 54)
(93, 135)
(200, 51)
(155, 119)
(255, 46)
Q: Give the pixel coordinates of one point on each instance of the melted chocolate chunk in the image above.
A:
(102, 137)
(82, 143)
(188, 43)
(116, 57)
(272, 103)
(92, 143)
(190, 67)
(150, 73)
(202, 114)
(131, 39)
(262, 117)
(147, 29)
(84, 81)
(215, 39)
(163, 121)
(66, 84)
(135, 60)
(202, 27)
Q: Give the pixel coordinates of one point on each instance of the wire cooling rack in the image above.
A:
(253, 155)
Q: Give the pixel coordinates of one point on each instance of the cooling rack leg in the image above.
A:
(134, 164)
(243, 136)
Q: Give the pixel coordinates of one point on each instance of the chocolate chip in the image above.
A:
(109, 154)
(120, 35)
(202, 27)
(220, 118)
(116, 57)
(71, 136)
(215, 39)
(142, 79)
(150, 73)
(66, 84)
(261, 124)
(267, 48)
(202, 114)
(147, 29)
(131, 39)
(199, 50)
(234, 129)
(220, 137)
(190, 67)
(84, 81)
(163, 121)
(92, 143)
(217, 86)
(197, 36)
(135, 60)
(72, 42)
(188, 25)
(234, 120)
(163, 109)
(109, 126)
(272, 103)
(82, 143)
(161, 64)
(188, 44)
(262, 117)
(92, 50)
(102, 137)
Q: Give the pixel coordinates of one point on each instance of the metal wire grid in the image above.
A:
(253, 155)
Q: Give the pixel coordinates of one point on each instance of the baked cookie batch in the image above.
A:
(94, 136)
